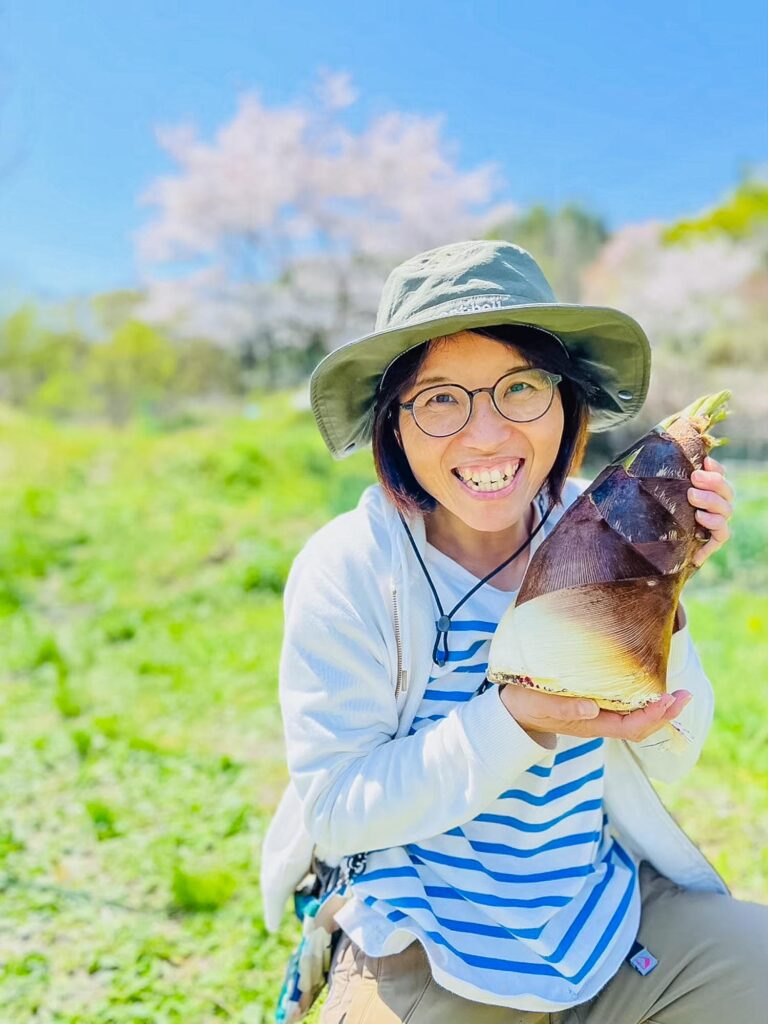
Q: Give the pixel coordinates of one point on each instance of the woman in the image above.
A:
(503, 855)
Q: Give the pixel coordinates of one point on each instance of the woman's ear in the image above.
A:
(395, 431)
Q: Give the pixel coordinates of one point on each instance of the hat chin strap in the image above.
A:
(444, 622)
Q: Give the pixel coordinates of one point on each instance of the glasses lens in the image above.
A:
(441, 411)
(524, 395)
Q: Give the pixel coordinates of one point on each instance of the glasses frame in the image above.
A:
(554, 378)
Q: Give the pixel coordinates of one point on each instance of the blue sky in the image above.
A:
(646, 110)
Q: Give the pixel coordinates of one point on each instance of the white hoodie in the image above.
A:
(356, 657)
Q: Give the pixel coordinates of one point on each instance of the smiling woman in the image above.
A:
(473, 858)
(420, 472)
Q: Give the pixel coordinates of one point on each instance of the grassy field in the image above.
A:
(140, 739)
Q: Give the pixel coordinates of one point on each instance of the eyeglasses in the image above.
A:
(521, 396)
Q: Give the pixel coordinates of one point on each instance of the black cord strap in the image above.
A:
(444, 622)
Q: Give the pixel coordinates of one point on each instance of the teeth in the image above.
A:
(484, 476)
(493, 480)
(495, 486)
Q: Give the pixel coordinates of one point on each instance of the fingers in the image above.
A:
(719, 531)
(550, 713)
(728, 488)
(710, 501)
(704, 553)
(577, 716)
(550, 707)
(712, 497)
(713, 464)
(716, 524)
(637, 725)
(682, 699)
(578, 708)
(713, 479)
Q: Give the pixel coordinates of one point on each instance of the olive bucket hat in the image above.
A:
(475, 284)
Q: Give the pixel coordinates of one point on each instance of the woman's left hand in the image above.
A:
(711, 495)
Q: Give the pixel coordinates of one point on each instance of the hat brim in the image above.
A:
(343, 385)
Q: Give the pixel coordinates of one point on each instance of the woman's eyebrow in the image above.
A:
(447, 380)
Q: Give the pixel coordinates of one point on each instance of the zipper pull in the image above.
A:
(404, 681)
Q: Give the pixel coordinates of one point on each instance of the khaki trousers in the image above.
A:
(713, 969)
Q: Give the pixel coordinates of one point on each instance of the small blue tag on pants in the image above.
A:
(641, 959)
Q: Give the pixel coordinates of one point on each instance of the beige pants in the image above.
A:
(713, 969)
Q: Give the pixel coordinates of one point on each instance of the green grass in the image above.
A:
(140, 738)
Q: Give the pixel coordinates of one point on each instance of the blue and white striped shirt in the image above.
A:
(532, 904)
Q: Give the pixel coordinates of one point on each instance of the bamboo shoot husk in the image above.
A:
(595, 613)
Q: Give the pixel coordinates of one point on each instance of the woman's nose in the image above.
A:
(485, 421)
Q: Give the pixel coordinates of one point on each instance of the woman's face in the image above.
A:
(487, 442)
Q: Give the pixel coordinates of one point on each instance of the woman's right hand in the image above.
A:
(544, 715)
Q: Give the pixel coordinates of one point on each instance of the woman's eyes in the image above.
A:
(517, 387)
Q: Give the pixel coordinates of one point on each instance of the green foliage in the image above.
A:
(141, 753)
(83, 741)
(66, 701)
(135, 371)
(48, 652)
(103, 818)
(204, 368)
(238, 469)
(202, 887)
(41, 369)
(111, 310)
(132, 371)
(739, 216)
(729, 345)
(9, 843)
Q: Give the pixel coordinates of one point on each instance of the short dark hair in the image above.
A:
(538, 348)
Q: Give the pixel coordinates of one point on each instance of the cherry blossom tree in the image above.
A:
(701, 293)
(280, 230)
(678, 292)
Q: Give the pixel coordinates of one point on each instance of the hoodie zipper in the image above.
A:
(401, 683)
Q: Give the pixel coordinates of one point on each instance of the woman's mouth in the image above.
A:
(487, 483)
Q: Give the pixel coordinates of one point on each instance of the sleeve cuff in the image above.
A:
(497, 740)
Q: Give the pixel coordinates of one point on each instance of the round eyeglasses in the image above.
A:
(521, 396)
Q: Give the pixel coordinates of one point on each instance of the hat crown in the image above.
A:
(462, 277)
